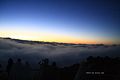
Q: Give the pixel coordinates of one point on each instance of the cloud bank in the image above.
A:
(62, 54)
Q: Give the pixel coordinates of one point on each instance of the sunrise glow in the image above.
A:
(59, 22)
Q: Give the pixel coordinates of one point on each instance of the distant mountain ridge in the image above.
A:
(54, 43)
(32, 42)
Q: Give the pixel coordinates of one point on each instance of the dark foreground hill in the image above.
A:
(93, 68)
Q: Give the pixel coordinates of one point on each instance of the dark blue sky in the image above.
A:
(80, 20)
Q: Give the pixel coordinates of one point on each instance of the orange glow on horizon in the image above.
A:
(51, 38)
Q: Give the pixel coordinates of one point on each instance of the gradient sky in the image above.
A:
(71, 21)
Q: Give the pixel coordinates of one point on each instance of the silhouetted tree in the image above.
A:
(54, 64)
(90, 58)
(9, 65)
(0, 68)
(54, 72)
(27, 72)
(16, 72)
(45, 61)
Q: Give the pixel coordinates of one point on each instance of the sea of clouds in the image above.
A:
(62, 54)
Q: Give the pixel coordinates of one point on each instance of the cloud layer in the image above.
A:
(62, 54)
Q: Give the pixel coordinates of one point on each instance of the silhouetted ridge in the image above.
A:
(97, 68)
(58, 43)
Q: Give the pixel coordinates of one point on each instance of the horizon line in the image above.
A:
(59, 42)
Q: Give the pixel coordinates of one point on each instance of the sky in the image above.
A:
(69, 21)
